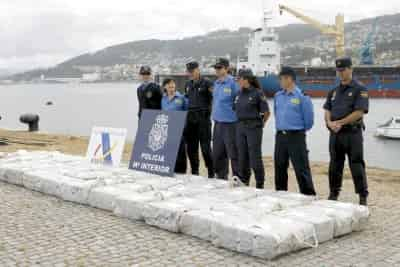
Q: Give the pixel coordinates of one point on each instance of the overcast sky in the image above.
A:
(43, 33)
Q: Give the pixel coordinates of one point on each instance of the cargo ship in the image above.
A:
(264, 58)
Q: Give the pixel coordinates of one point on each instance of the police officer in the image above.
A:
(198, 126)
(344, 111)
(149, 93)
(252, 110)
(294, 116)
(225, 90)
(175, 101)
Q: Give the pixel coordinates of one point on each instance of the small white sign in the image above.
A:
(106, 146)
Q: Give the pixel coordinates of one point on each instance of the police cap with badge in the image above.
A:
(221, 63)
(343, 63)
(245, 74)
(191, 66)
(287, 71)
(145, 70)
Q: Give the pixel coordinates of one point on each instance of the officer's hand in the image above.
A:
(334, 126)
(331, 125)
(337, 126)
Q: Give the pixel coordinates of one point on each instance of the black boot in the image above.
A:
(333, 196)
(260, 185)
(363, 201)
(211, 174)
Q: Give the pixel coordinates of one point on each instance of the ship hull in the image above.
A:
(320, 87)
(373, 93)
(313, 86)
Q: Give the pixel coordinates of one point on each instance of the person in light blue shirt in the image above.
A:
(294, 116)
(224, 137)
(175, 101)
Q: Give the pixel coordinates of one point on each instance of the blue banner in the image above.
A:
(157, 141)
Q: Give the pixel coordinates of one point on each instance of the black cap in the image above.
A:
(245, 73)
(221, 62)
(342, 63)
(192, 66)
(288, 71)
(145, 70)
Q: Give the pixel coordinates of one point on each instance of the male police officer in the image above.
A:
(198, 126)
(149, 93)
(224, 140)
(294, 116)
(344, 110)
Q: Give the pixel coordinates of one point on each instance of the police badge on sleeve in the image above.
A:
(158, 135)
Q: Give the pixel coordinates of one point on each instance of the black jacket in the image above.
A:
(149, 96)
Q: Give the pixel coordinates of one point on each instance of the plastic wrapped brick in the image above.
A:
(158, 183)
(166, 214)
(231, 195)
(12, 174)
(75, 190)
(323, 224)
(360, 213)
(264, 204)
(132, 205)
(103, 197)
(288, 235)
(343, 219)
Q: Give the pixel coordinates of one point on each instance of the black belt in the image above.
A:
(287, 132)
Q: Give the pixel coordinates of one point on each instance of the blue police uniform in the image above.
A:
(294, 116)
(224, 136)
(177, 103)
(250, 106)
(341, 102)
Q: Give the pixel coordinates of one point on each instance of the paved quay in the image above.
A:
(39, 230)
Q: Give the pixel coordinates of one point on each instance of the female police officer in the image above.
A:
(175, 101)
(252, 110)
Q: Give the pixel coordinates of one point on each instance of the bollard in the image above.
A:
(32, 120)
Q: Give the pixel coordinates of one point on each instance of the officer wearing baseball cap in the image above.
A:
(252, 110)
(198, 125)
(345, 108)
(225, 90)
(294, 116)
(149, 93)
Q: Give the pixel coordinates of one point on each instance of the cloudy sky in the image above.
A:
(43, 33)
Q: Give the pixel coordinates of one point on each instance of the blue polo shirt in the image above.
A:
(177, 103)
(224, 94)
(293, 111)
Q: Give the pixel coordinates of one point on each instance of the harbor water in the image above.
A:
(78, 107)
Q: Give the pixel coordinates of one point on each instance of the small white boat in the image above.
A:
(390, 129)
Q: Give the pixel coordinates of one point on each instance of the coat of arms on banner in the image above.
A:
(159, 133)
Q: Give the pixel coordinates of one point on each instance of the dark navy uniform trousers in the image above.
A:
(249, 140)
(224, 148)
(349, 141)
(292, 144)
(198, 130)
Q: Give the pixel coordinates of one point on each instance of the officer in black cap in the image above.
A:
(198, 126)
(294, 116)
(252, 110)
(345, 108)
(149, 93)
(225, 90)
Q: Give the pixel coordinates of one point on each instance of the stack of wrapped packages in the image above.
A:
(261, 223)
